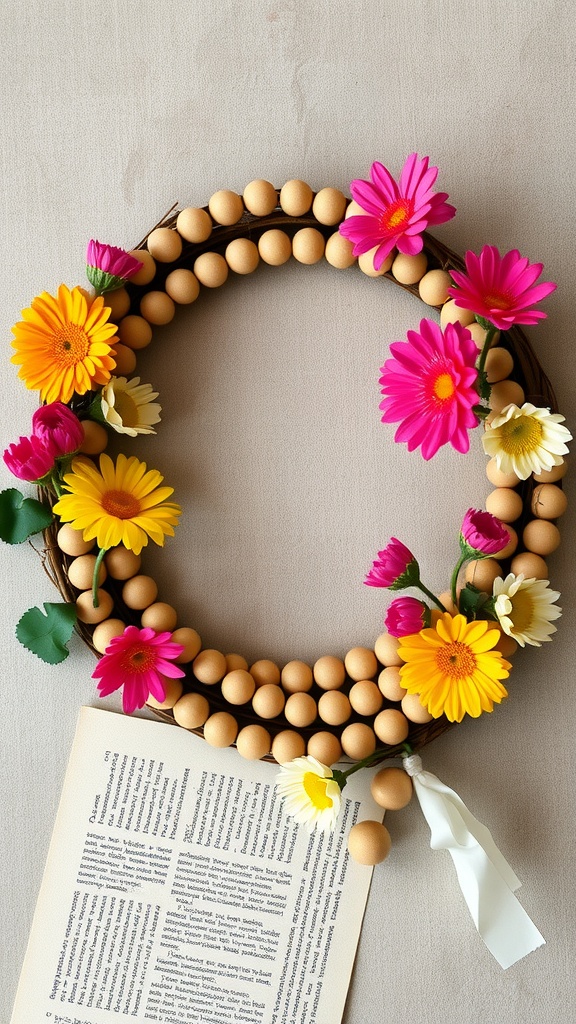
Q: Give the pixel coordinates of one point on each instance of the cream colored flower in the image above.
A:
(129, 407)
(526, 609)
(526, 440)
(311, 794)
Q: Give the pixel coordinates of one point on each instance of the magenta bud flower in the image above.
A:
(395, 568)
(58, 428)
(29, 459)
(108, 267)
(501, 289)
(406, 615)
(482, 534)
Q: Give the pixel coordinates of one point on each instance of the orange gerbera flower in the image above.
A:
(63, 344)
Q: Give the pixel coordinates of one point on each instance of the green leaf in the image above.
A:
(47, 634)
(471, 600)
(20, 517)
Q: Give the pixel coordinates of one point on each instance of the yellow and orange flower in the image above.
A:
(453, 667)
(63, 344)
(119, 504)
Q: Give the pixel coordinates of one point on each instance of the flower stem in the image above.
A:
(463, 558)
(431, 596)
(485, 349)
(95, 576)
(342, 777)
(55, 481)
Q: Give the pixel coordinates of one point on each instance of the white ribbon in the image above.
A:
(486, 879)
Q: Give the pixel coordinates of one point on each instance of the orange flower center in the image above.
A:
(396, 216)
(443, 386)
(71, 345)
(139, 659)
(121, 504)
(498, 300)
(456, 660)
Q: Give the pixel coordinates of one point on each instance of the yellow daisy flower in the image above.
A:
(311, 794)
(120, 504)
(526, 440)
(453, 668)
(63, 344)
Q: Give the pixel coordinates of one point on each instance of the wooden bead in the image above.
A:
(95, 438)
(391, 788)
(358, 741)
(386, 650)
(287, 745)
(226, 207)
(265, 671)
(172, 692)
(499, 364)
(511, 545)
(158, 308)
(211, 269)
(445, 599)
(209, 667)
(85, 606)
(329, 672)
(334, 707)
(366, 263)
(105, 632)
(191, 711)
(354, 210)
(253, 742)
(81, 572)
(194, 224)
(275, 247)
(409, 269)
(234, 661)
(242, 256)
(369, 842)
(329, 206)
(188, 638)
(506, 645)
(481, 573)
(530, 565)
(139, 592)
(479, 336)
(390, 684)
(505, 504)
(498, 478)
(548, 501)
(182, 286)
(164, 245)
(506, 392)
(159, 616)
(147, 271)
(453, 314)
(125, 359)
(118, 302)
(71, 541)
(296, 197)
(414, 710)
(550, 476)
(433, 287)
(361, 663)
(221, 729)
(238, 686)
(121, 563)
(365, 697)
(541, 536)
(338, 252)
(325, 747)
(308, 246)
(300, 710)
(260, 197)
(268, 701)
(296, 677)
(135, 332)
(391, 726)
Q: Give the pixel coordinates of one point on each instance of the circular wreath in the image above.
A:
(441, 656)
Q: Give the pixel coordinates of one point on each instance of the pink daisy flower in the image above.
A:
(58, 428)
(405, 616)
(482, 533)
(429, 386)
(395, 567)
(500, 289)
(108, 267)
(397, 213)
(139, 660)
(29, 459)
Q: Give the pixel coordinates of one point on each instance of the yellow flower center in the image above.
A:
(520, 435)
(315, 789)
(396, 216)
(127, 409)
(121, 504)
(456, 660)
(498, 300)
(71, 345)
(139, 659)
(522, 613)
(443, 386)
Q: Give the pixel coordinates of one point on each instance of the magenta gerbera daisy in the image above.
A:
(397, 213)
(138, 660)
(429, 386)
(500, 289)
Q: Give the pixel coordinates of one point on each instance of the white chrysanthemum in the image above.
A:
(129, 407)
(526, 440)
(311, 794)
(526, 609)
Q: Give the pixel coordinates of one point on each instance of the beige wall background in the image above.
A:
(111, 113)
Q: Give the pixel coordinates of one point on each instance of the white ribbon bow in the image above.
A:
(486, 879)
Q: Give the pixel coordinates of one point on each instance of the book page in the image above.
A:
(177, 890)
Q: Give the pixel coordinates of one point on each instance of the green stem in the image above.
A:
(55, 481)
(463, 558)
(342, 777)
(485, 349)
(95, 576)
(432, 596)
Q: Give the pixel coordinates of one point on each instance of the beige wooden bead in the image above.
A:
(139, 592)
(506, 645)
(95, 438)
(211, 269)
(253, 742)
(118, 302)
(391, 726)
(221, 729)
(296, 677)
(499, 364)
(158, 308)
(147, 271)
(325, 747)
(105, 632)
(296, 197)
(549, 476)
(234, 661)
(361, 663)
(159, 616)
(541, 536)
(498, 478)
(391, 788)
(125, 359)
(275, 247)
(445, 599)
(386, 650)
(182, 286)
(81, 572)
(226, 207)
(260, 197)
(191, 710)
(414, 710)
(329, 672)
(548, 501)
(242, 256)
(268, 701)
(164, 245)
(238, 686)
(409, 269)
(481, 573)
(209, 666)
(511, 545)
(479, 336)
(369, 842)
(329, 206)
(453, 314)
(505, 504)
(531, 566)
(338, 252)
(433, 287)
(188, 638)
(354, 210)
(308, 246)
(121, 563)
(300, 710)
(71, 541)
(358, 741)
(334, 707)
(287, 745)
(135, 332)
(265, 671)
(365, 697)
(366, 263)
(85, 606)
(505, 392)
(390, 683)
(194, 224)
(172, 692)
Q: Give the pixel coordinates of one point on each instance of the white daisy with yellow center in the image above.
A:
(311, 794)
(526, 440)
(129, 407)
(526, 609)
